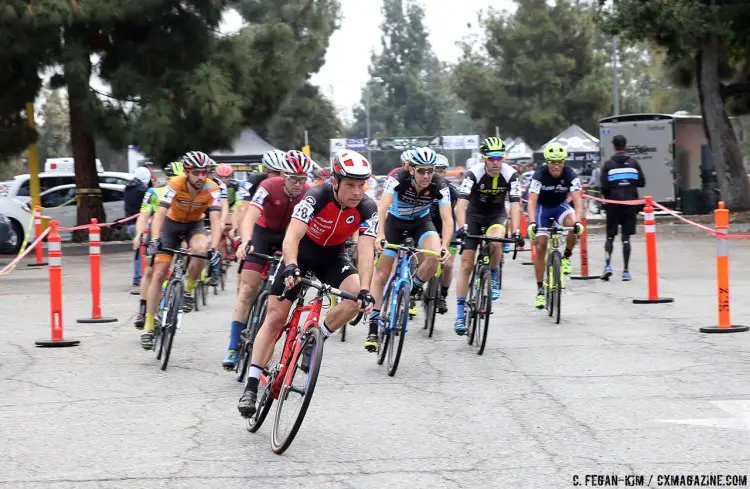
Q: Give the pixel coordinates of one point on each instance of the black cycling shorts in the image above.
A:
(478, 224)
(330, 265)
(624, 216)
(417, 229)
(264, 242)
(173, 233)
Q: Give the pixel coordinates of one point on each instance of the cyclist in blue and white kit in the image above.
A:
(405, 207)
(548, 200)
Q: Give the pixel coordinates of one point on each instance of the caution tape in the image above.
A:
(12, 265)
(103, 225)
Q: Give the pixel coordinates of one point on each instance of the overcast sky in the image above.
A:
(348, 56)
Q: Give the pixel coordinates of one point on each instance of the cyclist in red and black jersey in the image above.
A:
(272, 167)
(266, 220)
(321, 223)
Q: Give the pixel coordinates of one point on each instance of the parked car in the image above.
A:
(8, 236)
(59, 203)
(20, 187)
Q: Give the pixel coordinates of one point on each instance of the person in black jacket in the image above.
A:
(133, 197)
(621, 177)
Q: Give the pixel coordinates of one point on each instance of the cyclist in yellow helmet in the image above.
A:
(548, 200)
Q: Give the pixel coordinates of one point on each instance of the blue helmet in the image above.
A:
(423, 157)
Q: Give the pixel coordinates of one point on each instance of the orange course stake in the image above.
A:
(95, 259)
(583, 245)
(54, 252)
(37, 232)
(649, 226)
(721, 221)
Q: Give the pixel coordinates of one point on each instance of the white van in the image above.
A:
(66, 165)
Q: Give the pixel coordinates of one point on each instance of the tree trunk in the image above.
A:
(727, 157)
(77, 68)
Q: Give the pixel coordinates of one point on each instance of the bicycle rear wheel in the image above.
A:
(482, 323)
(172, 319)
(343, 333)
(204, 294)
(223, 278)
(557, 289)
(430, 304)
(283, 433)
(399, 330)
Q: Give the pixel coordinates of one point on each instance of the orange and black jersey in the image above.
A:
(186, 208)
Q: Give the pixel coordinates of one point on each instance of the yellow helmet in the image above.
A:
(555, 152)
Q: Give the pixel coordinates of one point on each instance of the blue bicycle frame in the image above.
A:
(402, 278)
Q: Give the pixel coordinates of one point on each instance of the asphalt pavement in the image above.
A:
(616, 389)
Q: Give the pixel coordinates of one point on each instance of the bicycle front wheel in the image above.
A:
(557, 289)
(289, 414)
(399, 330)
(384, 334)
(482, 322)
(173, 314)
(430, 305)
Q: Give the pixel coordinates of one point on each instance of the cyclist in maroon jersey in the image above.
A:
(266, 220)
(321, 223)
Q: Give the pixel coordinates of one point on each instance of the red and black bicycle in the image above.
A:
(288, 376)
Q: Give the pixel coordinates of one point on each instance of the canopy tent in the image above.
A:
(509, 142)
(519, 151)
(246, 150)
(583, 148)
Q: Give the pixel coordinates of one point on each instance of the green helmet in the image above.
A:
(491, 144)
(555, 152)
(174, 169)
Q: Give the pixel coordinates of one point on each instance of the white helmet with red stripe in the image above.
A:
(296, 163)
(350, 164)
(197, 159)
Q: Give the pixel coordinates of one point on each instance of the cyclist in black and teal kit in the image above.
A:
(548, 200)
(441, 166)
(405, 207)
(482, 206)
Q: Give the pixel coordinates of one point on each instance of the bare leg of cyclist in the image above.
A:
(496, 259)
(246, 294)
(462, 288)
(140, 319)
(345, 310)
(198, 244)
(278, 311)
(380, 278)
(161, 265)
(445, 283)
(570, 243)
(539, 263)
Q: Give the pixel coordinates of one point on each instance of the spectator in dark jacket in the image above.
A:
(133, 197)
(621, 177)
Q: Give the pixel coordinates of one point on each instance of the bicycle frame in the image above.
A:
(291, 352)
(401, 278)
(553, 244)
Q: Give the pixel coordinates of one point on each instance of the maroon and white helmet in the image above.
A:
(274, 160)
(197, 159)
(350, 164)
(296, 163)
